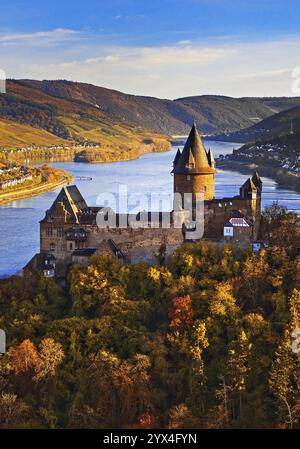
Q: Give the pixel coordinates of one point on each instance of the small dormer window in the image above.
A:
(190, 165)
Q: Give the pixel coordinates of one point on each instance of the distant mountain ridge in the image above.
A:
(278, 125)
(59, 112)
(213, 113)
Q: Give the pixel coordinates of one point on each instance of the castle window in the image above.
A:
(52, 246)
(59, 232)
(191, 165)
(49, 232)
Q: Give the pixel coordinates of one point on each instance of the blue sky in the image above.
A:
(165, 48)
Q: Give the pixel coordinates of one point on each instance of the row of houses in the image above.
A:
(15, 181)
(12, 175)
(53, 147)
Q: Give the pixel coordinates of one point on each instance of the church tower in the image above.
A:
(194, 168)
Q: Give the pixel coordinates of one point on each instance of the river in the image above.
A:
(19, 220)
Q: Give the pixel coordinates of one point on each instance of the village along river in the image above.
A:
(19, 220)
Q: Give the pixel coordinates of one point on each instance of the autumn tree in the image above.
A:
(180, 417)
(118, 391)
(24, 358)
(285, 383)
(285, 374)
(12, 411)
(50, 357)
(181, 314)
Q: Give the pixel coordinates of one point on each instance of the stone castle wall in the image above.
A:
(137, 244)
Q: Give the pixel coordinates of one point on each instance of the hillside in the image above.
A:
(278, 158)
(212, 113)
(31, 118)
(13, 134)
(70, 113)
(278, 104)
(272, 127)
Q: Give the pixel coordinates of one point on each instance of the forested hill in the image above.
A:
(63, 112)
(213, 113)
(278, 125)
(29, 116)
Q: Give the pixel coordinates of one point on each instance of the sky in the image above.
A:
(162, 48)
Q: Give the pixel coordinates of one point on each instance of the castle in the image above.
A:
(69, 232)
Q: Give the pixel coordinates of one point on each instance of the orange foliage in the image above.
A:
(147, 421)
(181, 314)
(24, 358)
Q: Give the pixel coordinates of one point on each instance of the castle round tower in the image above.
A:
(194, 168)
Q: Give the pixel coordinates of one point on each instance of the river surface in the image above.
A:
(19, 220)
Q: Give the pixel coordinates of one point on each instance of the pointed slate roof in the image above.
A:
(71, 200)
(191, 159)
(248, 185)
(194, 145)
(177, 157)
(256, 179)
(210, 158)
(247, 188)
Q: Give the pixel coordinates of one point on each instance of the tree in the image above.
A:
(285, 383)
(254, 283)
(147, 421)
(285, 373)
(24, 358)
(233, 379)
(50, 357)
(181, 314)
(277, 223)
(12, 411)
(223, 302)
(119, 390)
(182, 418)
(92, 290)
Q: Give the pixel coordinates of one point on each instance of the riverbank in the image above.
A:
(92, 156)
(88, 155)
(39, 180)
(85, 153)
(284, 178)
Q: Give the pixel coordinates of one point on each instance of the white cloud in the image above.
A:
(41, 38)
(184, 42)
(185, 68)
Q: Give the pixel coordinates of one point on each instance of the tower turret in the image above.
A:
(177, 157)
(211, 159)
(194, 170)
